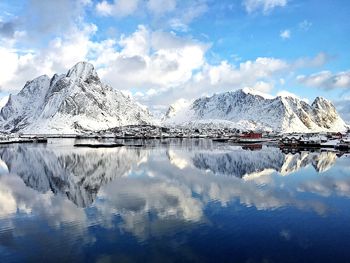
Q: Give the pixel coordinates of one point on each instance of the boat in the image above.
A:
(251, 141)
(99, 145)
(15, 141)
(220, 139)
(40, 140)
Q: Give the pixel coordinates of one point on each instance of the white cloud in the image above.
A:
(55, 16)
(119, 8)
(258, 75)
(173, 14)
(305, 25)
(161, 6)
(138, 44)
(104, 8)
(285, 34)
(326, 80)
(153, 60)
(265, 5)
(318, 61)
(60, 54)
(248, 71)
(157, 66)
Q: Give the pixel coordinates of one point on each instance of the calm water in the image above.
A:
(172, 201)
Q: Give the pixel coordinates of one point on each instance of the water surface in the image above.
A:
(173, 201)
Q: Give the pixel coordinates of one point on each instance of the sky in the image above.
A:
(160, 51)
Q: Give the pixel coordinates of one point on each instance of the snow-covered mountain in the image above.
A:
(70, 103)
(244, 110)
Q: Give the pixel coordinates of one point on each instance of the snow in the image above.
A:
(3, 101)
(81, 71)
(257, 93)
(69, 104)
(78, 102)
(244, 110)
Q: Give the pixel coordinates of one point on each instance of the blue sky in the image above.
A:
(163, 50)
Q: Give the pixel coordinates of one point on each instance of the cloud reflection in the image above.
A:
(172, 183)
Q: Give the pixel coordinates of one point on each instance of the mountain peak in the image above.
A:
(74, 102)
(320, 100)
(243, 110)
(256, 93)
(82, 71)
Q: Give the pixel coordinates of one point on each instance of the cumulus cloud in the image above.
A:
(318, 61)
(265, 6)
(118, 8)
(159, 59)
(161, 6)
(285, 34)
(156, 66)
(170, 14)
(60, 54)
(326, 80)
(159, 67)
(52, 17)
(256, 75)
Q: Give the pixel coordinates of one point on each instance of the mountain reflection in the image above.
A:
(75, 173)
(171, 182)
(240, 163)
(78, 174)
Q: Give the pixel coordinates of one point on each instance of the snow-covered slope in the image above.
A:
(3, 101)
(244, 110)
(70, 103)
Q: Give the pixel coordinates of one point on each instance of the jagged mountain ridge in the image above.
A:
(69, 103)
(244, 110)
(77, 101)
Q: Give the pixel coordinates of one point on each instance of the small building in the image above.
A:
(291, 139)
(251, 135)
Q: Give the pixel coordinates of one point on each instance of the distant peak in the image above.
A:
(82, 71)
(320, 100)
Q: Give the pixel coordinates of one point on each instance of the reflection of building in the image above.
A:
(252, 147)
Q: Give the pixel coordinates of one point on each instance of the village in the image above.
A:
(339, 141)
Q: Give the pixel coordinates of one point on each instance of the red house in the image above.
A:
(252, 135)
